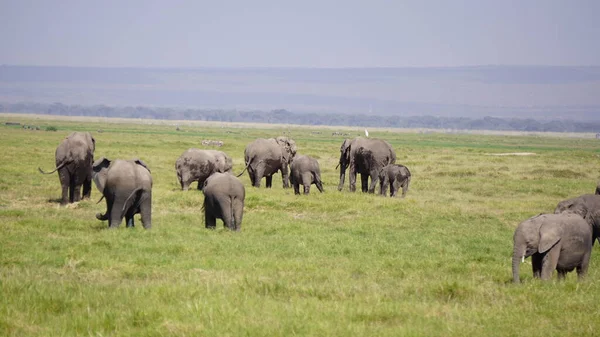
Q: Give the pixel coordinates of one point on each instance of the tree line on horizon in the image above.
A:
(282, 116)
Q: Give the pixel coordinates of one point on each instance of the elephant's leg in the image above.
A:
(561, 275)
(77, 191)
(285, 176)
(269, 181)
(364, 179)
(374, 180)
(536, 264)
(225, 205)
(129, 221)
(404, 187)
(394, 188)
(583, 267)
(550, 261)
(296, 187)
(238, 213)
(258, 175)
(116, 217)
(306, 188)
(87, 186)
(210, 221)
(307, 179)
(146, 210)
(65, 182)
(352, 179)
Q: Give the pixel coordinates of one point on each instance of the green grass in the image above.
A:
(436, 263)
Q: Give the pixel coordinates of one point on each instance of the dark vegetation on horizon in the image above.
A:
(282, 116)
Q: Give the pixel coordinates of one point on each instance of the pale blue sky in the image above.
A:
(303, 33)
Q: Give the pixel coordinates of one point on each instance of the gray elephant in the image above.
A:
(587, 206)
(224, 197)
(127, 187)
(366, 156)
(197, 165)
(74, 157)
(554, 241)
(395, 176)
(305, 171)
(264, 157)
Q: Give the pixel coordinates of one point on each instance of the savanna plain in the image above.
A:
(436, 263)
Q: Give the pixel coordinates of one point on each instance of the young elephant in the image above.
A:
(127, 187)
(396, 176)
(554, 241)
(224, 199)
(305, 171)
(197, 165)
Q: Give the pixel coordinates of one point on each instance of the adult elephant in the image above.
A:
(366, 156)
(554, 241)
(264, 157)
(127, 187)
(74, 157)
(587, 206)
(197, 165)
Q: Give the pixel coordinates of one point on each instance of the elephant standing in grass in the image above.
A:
(264, 157)
(224, 197)
(587, 206)
(74, 157)
(127, 187)
(197, 165)
(554, 241)
(366, 156)
(396, 176)
(305, 171)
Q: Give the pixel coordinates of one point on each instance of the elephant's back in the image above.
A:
(262, 147)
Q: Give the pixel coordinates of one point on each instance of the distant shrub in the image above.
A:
(51, 128)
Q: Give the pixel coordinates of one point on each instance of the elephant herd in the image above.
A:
(559, 241)
(127, 184)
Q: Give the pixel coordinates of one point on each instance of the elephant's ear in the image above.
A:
(550, 234)
(101, 164)
(140, 162)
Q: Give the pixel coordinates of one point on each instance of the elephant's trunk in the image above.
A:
(518, 255)
(342, 175)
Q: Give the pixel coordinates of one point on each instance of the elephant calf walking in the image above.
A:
(305, 171)
(127, 187)
(396, 176)
(224, 197)
(554, 241)
(197, 165)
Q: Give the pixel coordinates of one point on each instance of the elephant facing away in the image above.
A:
(224, 197)
(127, 187)
(74, 157)
(264, 157)
(554, 241)
(305, 171)
(366, 156)
(587, 206)
(395, 176)
(197, 165)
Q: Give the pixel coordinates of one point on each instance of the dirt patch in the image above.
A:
(512, 154)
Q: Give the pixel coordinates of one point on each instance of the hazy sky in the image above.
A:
(299, 33)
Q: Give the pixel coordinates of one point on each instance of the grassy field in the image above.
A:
(436, 263)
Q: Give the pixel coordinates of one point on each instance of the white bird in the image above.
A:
(366, 133)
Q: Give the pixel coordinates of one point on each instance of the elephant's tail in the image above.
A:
(97, 202)
(245, 168)
(56, 169)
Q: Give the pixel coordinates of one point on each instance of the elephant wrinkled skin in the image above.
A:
(74, 157)
(264, 157)
(395, 176)
(127, 187)
(305, 171)
(554, 241)
(198, 165)
(366, 156)
(224, 197)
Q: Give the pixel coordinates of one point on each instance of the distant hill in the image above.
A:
(538, 92)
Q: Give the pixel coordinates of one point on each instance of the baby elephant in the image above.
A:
(305, 171)
(224, 199)
(554, 241)
(127, 187)
(396, 176)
